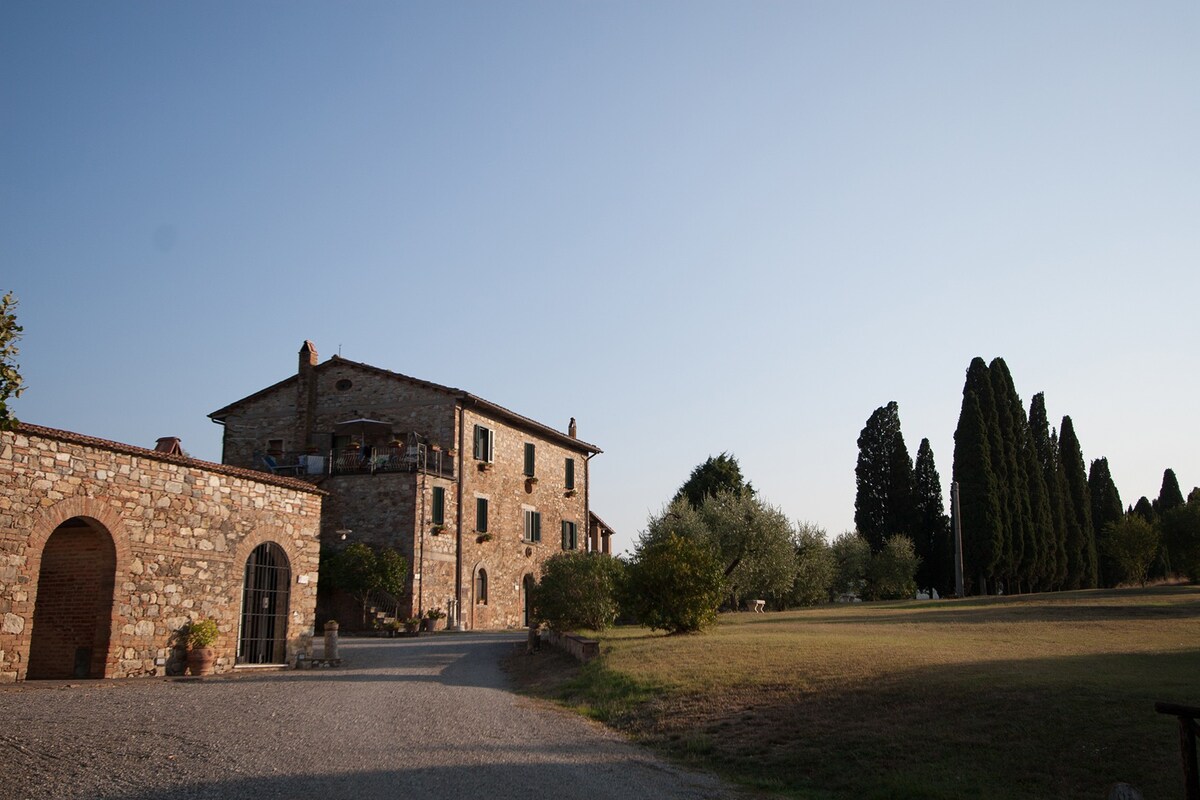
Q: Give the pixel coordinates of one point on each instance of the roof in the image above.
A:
(600, 523)
(157, 455)
(466, 398)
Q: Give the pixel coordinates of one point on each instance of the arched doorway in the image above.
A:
(263, 637)
(527, 586)
(72, 615)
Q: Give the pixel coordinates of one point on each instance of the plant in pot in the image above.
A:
(201, 657)
(433, 618)
(412, 625)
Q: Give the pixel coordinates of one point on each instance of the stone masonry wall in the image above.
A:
(181, 531)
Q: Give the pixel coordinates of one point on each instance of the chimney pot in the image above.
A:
(571, 429)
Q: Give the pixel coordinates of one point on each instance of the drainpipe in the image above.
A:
(421, 533)
(587, 499)
(458, 556)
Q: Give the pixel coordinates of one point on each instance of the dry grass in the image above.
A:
(1036, 696)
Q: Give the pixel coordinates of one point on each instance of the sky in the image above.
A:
(697, 227)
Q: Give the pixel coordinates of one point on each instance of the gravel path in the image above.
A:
(426, 718)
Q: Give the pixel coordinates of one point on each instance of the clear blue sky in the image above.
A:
(696, 227)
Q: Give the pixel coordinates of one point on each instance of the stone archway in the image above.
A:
(527, 585)
(72, 615)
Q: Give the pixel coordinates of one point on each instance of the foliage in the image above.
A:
(1181, 533)
(435, 614)
(1106, 511)
(931, 527)
(891, 574)
(1053, 570)
(361, 570)
(1130, 544)
(579, 590)
(1170, 496)
(851, 557)
(714, 476)
(752, 541)
(883, 503)
(202, 633)
(815, 566)
(982, 532)
(10, 376)
(674, 584)
(1081, 536)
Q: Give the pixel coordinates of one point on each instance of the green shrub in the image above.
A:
(892, 573)
(202, 633)
(674, 584)
(579, 590)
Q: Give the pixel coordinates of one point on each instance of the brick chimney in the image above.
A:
(306, 396)
(169, 445)
(571, 429)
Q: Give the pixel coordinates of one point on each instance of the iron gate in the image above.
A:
(263, 638)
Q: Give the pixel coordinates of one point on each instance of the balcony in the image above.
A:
(357, 461)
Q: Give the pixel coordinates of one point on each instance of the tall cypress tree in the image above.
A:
(1170, 495)
(1022, 544)
(931, 531)
(1081, 539)
(982, 534)
(1106, 510)
(1045, 446)
(883, 503)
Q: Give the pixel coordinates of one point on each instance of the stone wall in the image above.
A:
(176, 532)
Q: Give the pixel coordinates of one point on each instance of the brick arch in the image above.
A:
(52, 516)
(107, 518)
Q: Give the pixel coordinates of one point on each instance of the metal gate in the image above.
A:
(263, 639)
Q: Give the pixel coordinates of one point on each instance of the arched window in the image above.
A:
(481, 581)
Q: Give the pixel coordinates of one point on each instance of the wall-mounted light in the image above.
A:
(343, 533)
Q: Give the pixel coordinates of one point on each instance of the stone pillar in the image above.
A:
(331, 639)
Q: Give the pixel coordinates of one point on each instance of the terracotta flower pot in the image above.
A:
(201, 660)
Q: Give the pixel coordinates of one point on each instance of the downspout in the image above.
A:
(421, 534)
(458, 563)
(587, 500)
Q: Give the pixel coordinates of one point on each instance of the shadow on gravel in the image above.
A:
(450, 660)
(614, 779)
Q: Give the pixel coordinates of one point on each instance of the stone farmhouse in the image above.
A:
(108, 550)
(474, 496)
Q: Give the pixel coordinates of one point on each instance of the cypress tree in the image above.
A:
(1081, 539)
(983, 542)
(1144, 509)
(1045, 446)
(932, 527)
(883, 503)
(1022, 545)
(1106, 510)
(1170, 495)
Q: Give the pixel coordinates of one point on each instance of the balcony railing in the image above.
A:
(356, 461)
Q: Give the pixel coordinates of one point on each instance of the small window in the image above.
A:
(530, 459)
(570, 536)
(274, 446)
(569, 475)
(481, 587)
(439, 505)
(481, 514)
(484, 441)
(343, 385)
(533, 526)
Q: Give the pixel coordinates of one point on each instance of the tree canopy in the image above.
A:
(716, 475)
(884, 503)
(10, 375)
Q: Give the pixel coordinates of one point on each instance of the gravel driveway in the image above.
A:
(424, 718)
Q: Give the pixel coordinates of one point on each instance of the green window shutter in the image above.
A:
(566, 538)
(439, 505)
(537, 526)
(570, 477)
(481, 514)
(530, 459)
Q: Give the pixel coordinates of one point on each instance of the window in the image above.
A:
(530, 459)
(569, 475)
(274, 445)
(570, 536)
(533, 526)
(481, 587)
(484, 441)
(481, 514)
(439, 505)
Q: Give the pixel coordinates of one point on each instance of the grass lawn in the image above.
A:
(1046, 696)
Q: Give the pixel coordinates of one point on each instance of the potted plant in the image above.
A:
(432, 619)
(201, 634)
(483, 537)
(438, 528)
(412, 626)
(395, 627)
